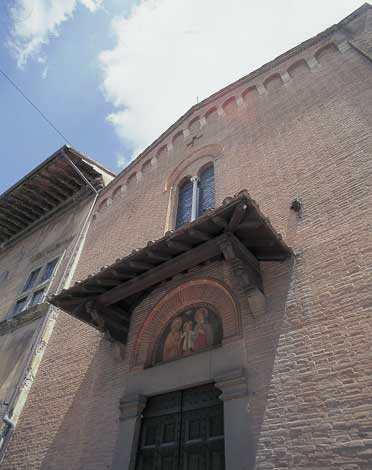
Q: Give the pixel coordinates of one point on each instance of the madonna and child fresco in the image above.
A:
(192, 331)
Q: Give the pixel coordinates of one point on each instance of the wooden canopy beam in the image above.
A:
(44, 196)
(68, 176)
(46, 193)
(16, 212)
(11, 221)
(35, 199)
(170, 268)
(62, 187)
(9, 232)
(157, 256)
(199, 235)
(21, 204)
(29, 205)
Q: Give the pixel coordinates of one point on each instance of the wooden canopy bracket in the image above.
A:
(247, 270)
(108, 321)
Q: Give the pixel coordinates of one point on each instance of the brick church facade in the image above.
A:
(221, 310)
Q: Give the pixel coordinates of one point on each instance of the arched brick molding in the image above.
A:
(250, 94)
(194, 125)
(197, 291)
(178, 140)
(146, 166)
(162, 152)
(299, 69)
(211, 115)
(324, 53)
(230, 106)
(131, 179)
(273, 82)
(116, 192)
(208, 151)
(102, 205)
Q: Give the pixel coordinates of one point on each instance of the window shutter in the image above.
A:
(184, 204)
(206, 190)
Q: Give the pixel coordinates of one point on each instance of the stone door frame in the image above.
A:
(223, 366)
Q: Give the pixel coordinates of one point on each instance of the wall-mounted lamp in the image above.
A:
(296, 204)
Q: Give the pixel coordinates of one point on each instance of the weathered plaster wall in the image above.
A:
(14, 349)
(19, 334)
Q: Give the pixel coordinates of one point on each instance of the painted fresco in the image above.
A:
(193, 330)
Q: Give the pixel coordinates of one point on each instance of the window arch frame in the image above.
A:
(195, 194)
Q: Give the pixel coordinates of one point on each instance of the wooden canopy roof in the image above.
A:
(105, 299)
(44, 190)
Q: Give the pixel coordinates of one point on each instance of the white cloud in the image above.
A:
(169, 52)
(121, 161)
(44, 73)
(34, 22)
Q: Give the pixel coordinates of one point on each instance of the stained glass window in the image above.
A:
(184, 204)
(196, 196)
(206, 190)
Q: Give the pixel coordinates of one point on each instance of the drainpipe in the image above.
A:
(9, 422)
(78, 171)
(4, 440)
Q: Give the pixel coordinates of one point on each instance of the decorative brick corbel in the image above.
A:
(247, 270)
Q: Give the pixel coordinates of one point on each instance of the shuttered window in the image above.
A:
(206, 190)
(184, 204)
(35, 288)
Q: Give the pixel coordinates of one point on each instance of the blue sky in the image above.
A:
(113, 74)
(69, 95)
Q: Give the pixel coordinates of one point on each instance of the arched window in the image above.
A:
(196, 196)
(184, 203)
(206, 190)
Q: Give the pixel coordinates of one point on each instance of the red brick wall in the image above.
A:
(308, 358)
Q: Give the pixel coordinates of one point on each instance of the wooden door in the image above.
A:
(183, 431)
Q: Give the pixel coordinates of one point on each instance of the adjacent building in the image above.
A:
(220, 315)
(43, 222)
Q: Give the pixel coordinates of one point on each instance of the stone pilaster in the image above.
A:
(131, 407)
(239, 441)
